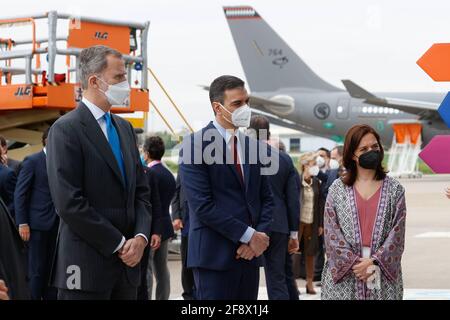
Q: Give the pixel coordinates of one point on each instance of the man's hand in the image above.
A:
(245, 252)
(24, 231)
(177, 224)
(293, 246)
(320, 231)
(447, 192)
(360, 269)
(155, 241)
(3, 291)
(3, 159)
(259, 243)
(132, 250)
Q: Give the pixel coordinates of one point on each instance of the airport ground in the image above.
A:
(426, 261)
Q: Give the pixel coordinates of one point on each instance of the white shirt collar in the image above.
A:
(96, 111)
(227, 134)
(154, 163)
(45, 150)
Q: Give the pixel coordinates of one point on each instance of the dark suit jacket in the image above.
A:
(155, 200)
(12, 257)
(8, 181)
(180, 207)
(32, 199)
(285, 191)
(327, 180)
(165, 183)
(220, 207)
(15, 165)
(95, 206)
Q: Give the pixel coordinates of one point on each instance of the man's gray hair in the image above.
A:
(93, 61)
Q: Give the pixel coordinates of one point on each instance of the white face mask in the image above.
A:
(117, 94)
(334, 164)
(314, 171)
(240, 117)
(320, 161)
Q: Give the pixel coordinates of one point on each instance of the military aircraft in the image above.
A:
(292, 95)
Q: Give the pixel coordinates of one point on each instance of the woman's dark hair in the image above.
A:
(155, 148)
(352, 141)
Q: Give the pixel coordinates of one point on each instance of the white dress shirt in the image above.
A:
(227, 135)
(98, 115)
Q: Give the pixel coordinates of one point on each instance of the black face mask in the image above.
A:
(370, 160)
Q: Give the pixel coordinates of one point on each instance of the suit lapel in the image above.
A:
(95, 134)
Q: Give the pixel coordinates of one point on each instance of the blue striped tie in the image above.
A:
(114, 142)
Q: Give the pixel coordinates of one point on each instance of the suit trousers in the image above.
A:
(278, 269)
(157, 265)
(41, 249)
(187, 277)
(238, 283)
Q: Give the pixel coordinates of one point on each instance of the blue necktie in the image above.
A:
(114, 142)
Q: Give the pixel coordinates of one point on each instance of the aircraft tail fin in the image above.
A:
(268, 62)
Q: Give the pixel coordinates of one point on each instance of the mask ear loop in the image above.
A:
(231, 113)
(99, 89)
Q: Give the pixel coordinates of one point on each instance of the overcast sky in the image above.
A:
(374, 43)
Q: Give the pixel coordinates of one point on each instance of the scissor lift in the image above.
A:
(33, 95)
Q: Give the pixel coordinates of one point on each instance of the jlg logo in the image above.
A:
(23, 91)
(101, 35)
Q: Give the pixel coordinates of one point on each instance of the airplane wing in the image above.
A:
(425, 110)
(283, 123)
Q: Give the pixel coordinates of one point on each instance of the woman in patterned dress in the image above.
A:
(364, 222)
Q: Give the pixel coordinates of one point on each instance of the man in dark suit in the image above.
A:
(229, 197)
(327, 175)
(37, 220)
(154, 150)
(284, 230)
(98, 187)
(8, 180)
(180, 221)
(155, 236)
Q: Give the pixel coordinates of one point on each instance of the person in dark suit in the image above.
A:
(98, 186)
(154, 150)
(284, 230)
(180, 221)
(37, 221)
(229, 197)
(8, 180)
(14, 165)
(327, 175)
(155, 236)
(12, 259)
